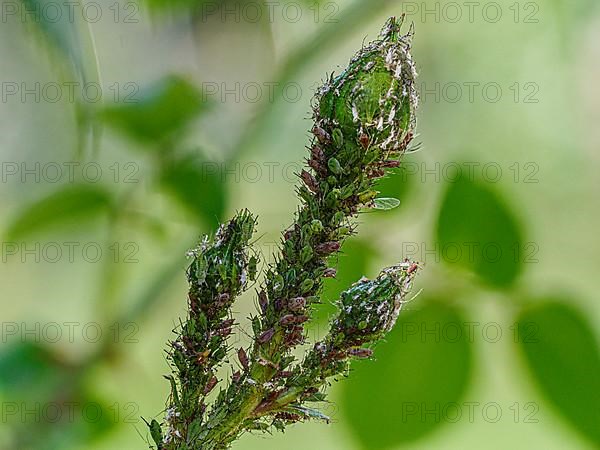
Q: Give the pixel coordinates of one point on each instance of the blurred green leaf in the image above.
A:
(197, 186)
(159, 112)
(45, 406)
(478, 231)
(27, 369)
(390, 401)
(562, 354)
(71, 204)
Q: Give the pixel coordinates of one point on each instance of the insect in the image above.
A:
(330, 272)
(364, 140)
(243, 357)
(412, 268)
(323, 136)
(328, 247)
(362, 353)
(265, 336)
(210, 385)
(309, 180)
(296, 304)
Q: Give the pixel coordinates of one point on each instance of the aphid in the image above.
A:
(243, 357)
(263, 301)
(412, 268)
(328, 247)
(295, 336)
(362, 353)
(288, 319)
(265, 336)
(377, 173)
(317, 154)
(223, 298)
(223, 332)
(296, 304)
(390, 163)
(210, 385)
(202, 357)
(364, 140)
(252, 267)
(236, 376)
(323, 136)
(317, 167)
(310, 181)
(288, 417)
(330, 272)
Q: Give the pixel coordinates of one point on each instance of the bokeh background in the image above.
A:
(128, 129)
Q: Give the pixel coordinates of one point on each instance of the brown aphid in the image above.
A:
(322, 136)
(390, 163)
(210, 385)
(317, 154)
(330, 272)
(265, 336)
(328, 247)
(377, 173)
(412, 268)
(296, 304)
(288, 417)
(295, 336)
(236, 376)
(263, 301)
(223, 332)
(310, 181)
(364, 140)
(288, 319)
(243, 357)
(362, 353)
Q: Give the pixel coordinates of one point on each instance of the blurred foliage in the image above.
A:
(159, 113)
(65, 207)
(199, 189)
(563, 357)
(475, 222)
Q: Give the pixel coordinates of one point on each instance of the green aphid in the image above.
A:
(307, 285)
(334, 166)
(338, 138)
(306, 254)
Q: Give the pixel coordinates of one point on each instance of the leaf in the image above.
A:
(562, 354)
(386, 203)
(69, 205)
(198, 186)
(160, 112)
(423, 366)
(477, 231)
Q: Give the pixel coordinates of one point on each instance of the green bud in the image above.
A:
(373, 101)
